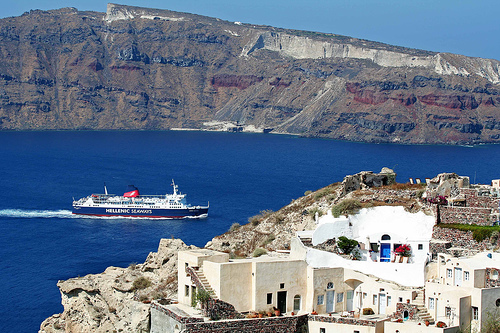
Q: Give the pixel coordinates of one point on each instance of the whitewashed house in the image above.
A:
(464, 292)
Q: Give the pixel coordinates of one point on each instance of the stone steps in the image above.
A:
(206, 284)
(306, 241)
(422, 311)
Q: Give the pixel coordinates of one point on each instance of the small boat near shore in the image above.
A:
(132, 204)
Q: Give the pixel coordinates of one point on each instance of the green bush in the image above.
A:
(141, 283)
(348, 206)
(258, 252)
(306, 193)
(202, 296)
(368, 311)
(346, 244)
(481, 234)
(491, 323)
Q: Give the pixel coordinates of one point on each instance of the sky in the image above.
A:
(468, 27)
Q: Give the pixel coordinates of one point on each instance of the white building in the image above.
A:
(460, 292)
(464, 291)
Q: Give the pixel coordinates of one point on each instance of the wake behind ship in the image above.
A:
(132, 204)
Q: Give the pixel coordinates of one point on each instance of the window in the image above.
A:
(494, 274)
(329, 285)
(475, 313)
(389, 300)
(466, 276)
(386, 237)
(420, 246)
(296, 303)
(340, 297)
(321, 299)
(322, 330)
(282, 285)
(374, 299)
(186, 291)
(431, 303)
(447, 311)
(400, 300)
(269, 298)
(449, 273)
(497, 302)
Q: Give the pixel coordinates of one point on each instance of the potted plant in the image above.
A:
(403, 251)
(277, 311)
(314, 312)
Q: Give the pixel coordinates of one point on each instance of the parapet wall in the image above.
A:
(342, 320)
(289, 324)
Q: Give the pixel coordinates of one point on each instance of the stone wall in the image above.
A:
(402, 307)
(459, 238)
(492, 283)
(465, 215)
(343, 320)
(289, 324)
(472, 199)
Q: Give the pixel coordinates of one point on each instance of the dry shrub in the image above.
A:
(256, 219)
(258, 252)
(405, 186)
(141, 283)
(346, 207)
(235, 226)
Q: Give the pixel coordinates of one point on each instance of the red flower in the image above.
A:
(403, 250)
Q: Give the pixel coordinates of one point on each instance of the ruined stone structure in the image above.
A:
(463, 204)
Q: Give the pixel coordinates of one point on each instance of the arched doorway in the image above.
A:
(385, 248)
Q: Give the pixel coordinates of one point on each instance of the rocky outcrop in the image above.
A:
(446, 185)
(140, 68)
(117, 299)
(366, 179)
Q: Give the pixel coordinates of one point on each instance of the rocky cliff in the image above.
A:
(117, 300)
(138, 68)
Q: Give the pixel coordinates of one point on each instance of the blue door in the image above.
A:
(385, 252)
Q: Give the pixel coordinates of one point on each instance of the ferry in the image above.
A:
(132, 204)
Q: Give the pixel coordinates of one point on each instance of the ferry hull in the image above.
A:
(196, 212)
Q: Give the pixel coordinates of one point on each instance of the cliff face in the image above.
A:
(137, 68)
(117, 300)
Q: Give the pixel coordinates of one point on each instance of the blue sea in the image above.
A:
(239, 174)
